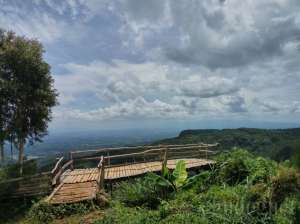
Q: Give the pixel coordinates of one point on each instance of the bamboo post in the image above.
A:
(165, 159)
(108, 159)
(102, 170)
(71, 158)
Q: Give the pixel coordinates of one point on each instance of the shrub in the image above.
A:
(120, 214)
(139, 193)
(285, 183)
(261, 170)
(43, 212)
(240, 166)
(232, 166)
(258, 197)
(200, 182)
(289, 212)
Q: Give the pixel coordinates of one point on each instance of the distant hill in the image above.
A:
(278, 144)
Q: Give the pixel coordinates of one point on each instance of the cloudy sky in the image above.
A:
(133, 63)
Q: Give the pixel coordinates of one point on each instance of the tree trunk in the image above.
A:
(21, 156)
(2, 151)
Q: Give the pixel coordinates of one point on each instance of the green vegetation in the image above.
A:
(26, 92)
(277, 144)
(239, 188)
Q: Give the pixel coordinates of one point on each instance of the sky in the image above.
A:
(166, 63)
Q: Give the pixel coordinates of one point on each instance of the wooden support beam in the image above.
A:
(71, 158)
(102, 174)
(57, 165)
(165, 160)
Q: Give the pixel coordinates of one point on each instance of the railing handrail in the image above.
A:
(59, 161)
(109, 149)
(152, 149)
(100, 162)
(25, 177)
(55, 179)
(169, 150)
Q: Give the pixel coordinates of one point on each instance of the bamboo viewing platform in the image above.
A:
(69, 182)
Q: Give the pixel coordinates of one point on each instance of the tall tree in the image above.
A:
(3, 108)
(2, 133)
(29, 87)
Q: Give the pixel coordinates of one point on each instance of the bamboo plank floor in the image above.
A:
(82, 184)
(129, 170)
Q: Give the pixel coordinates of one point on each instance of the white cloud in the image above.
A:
(132, 109)
(34, 25)
(167, 59)
(204, 87)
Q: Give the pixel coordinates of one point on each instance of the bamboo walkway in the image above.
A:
(83, 184)
(74, 185)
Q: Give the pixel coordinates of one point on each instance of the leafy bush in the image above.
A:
(289, 212)
(151, 189)
(261, 170)
(43, 212)
(233, 167)
(141, 192)
(285, 184)
(239, 166)
(12, 170)
(128, 215)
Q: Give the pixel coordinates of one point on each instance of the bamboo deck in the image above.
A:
(83, 184)
(130, 170)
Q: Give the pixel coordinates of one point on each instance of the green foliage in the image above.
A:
(241, 188)
(277, 144)
(289, 212)
(199, 182)
(26, 91)
(239, 166)
(11, 210)
(286, 183)
(12, 171)
(268, 194)
(260, 169)
(141, 192)
(43, 212)
(127, 215)
(179, 175)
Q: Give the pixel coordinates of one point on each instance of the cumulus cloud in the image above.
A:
(132, 109)
(212, 86)
(221, 33)
(127, 59)
(120, 80)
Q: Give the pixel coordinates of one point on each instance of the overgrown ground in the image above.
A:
(240, 188)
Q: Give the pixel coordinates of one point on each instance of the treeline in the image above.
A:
(278, 144)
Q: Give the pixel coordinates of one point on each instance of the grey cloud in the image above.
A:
(135, 108)
(219, 34)
(145, 10)
(207, 30)
(207, 87)
(237, 105)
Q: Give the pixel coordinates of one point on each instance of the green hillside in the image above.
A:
(278, 144)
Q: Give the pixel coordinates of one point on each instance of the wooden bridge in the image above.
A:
(78, 184)
(73, 180)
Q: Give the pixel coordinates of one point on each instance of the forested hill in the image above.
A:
(279, 144)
